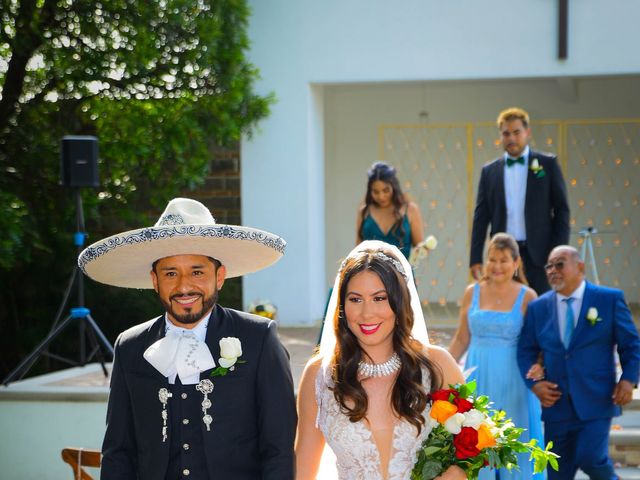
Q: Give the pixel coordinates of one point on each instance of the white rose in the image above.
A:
(592, 314)
(230, 350)
(473, 418)
(431, 242)
(432, 422)
(534, 164)
(454, 423)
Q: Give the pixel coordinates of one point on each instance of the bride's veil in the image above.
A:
(419, 331)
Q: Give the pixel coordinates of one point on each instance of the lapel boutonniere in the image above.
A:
(536, 168)
(592, 316)
(230, 353)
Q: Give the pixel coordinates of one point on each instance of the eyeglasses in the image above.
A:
(549, 267)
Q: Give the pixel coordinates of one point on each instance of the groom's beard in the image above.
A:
(192, 315)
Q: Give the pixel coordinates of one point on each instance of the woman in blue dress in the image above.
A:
(491, 317)
(386, 213)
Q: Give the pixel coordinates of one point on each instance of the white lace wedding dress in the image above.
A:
(353, 443)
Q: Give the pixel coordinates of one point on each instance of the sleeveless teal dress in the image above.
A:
(492, 351)
(372, 231)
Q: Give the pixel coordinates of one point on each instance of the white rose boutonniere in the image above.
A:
(592, 316)
(230, 353)
(536, 168)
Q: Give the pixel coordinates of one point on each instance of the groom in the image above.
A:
(576, 327)
(201, 392)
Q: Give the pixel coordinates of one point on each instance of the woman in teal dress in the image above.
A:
(491, 317)
(386, 213)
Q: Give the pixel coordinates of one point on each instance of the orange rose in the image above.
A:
(441, 410)
(485, 439)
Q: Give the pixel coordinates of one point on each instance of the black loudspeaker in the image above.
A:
(79, 161)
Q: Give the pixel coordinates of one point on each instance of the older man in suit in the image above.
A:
(523, 194)
(202, 392)
(576, 328)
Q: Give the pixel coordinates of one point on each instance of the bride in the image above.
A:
(366, 391)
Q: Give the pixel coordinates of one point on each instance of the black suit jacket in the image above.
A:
(546, 210)
(254, 417)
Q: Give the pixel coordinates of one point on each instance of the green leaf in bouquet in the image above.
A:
(481, 403)
(499, 416)
(431, 470)
(467, 389)
(494, 458)
(430, 451)
(542, 457)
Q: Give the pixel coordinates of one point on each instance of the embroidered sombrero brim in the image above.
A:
(185, 228)
(125, 260)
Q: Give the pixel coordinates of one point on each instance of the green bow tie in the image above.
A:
(511, 161)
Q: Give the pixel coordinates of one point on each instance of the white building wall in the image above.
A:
(301, 47)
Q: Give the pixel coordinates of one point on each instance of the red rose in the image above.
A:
(463, 405)
(443, 394)
(465, 443)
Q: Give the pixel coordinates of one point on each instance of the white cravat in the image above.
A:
(515, 192)
(181, 352)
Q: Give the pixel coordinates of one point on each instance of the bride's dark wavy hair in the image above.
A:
(408, 398)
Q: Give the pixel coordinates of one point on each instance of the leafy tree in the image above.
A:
(158, 82)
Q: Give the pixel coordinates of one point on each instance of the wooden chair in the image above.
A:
(81, 457)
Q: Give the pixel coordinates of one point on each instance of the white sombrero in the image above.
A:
(186, 227)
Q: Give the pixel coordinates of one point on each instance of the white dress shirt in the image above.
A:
(561, 305)
(515, 192)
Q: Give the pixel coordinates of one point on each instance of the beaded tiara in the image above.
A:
(385, 258)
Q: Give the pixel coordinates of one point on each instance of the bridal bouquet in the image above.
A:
(421, 250)
(465, 434)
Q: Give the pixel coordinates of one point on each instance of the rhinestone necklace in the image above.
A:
(389, 367)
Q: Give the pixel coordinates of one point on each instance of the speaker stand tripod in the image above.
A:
(78, 313)
(587, 249)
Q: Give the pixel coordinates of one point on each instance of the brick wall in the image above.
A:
(221, 190)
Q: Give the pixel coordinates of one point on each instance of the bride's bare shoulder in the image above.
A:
(436, 353)
(312, 366)
(445, 362)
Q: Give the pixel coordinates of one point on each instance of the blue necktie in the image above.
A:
(569, 326)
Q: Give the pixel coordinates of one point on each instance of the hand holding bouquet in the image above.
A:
(466, 435)
(421, 250)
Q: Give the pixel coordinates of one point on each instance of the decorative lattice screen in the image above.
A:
(439, 167)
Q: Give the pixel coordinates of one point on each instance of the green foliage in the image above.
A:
(159, 83)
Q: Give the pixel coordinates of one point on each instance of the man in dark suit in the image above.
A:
(202, 392)
(521, 193)
(576, 328)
